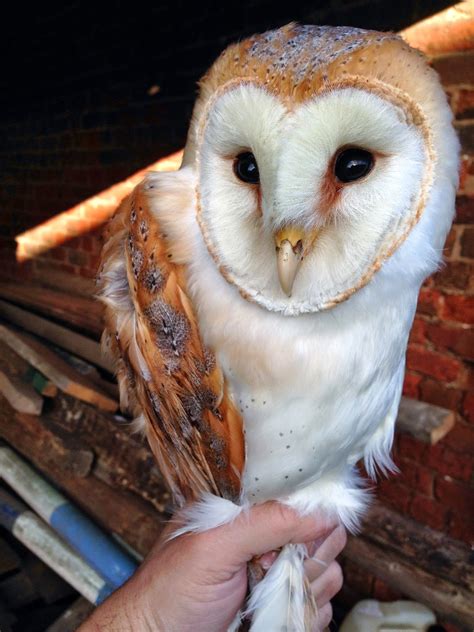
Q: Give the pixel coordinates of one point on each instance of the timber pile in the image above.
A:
(59, 409)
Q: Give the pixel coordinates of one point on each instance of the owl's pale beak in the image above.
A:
(292, 244)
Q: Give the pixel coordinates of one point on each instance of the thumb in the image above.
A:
(269, 526)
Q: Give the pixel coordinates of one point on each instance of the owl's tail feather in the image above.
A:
(283, 600)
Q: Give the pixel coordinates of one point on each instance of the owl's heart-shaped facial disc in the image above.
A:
(300, 203)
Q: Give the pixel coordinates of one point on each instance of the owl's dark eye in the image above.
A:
(246, 168)
(352, 164)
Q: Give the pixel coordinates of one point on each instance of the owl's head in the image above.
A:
(316, 150)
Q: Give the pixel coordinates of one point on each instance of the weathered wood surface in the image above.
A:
(30, 434)
(447, 599)
(56, 369)
(122, 459)
(83, 313)
(20, 395)
(57, 334)
(425, 422)
(431, 550)
(59, 454)
(15, 365)
(417, 561)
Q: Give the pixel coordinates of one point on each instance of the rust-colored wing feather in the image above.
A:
(165, 373)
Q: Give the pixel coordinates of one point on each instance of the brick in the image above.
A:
(411, 448)
(417, 333)
(459, 340)
(396, 495)
(465, 104)
(460, 528)
(450, 241)
(467, 243)
(455, 69)
(408, 472)
(411, 385)
(430, 302)
(456, 465)
(76, 257)
(59, 254)
(468, 407)
(438, 394)
(87, 243)
(459, 309)
(454, 495)
(461, 437)
(434, 454)
(424, 481)
(382, 591)
(455, 275)
(465, 131)
(465, 209)
(441, 367)
(428, 511)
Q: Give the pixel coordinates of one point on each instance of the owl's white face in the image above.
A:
(299, 207)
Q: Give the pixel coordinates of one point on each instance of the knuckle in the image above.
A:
(340, 535)
(325, 616)
(335, 578)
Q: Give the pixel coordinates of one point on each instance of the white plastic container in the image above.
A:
(370, 615)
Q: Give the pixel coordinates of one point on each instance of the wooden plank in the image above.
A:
(83, 313)
(21, 396)
(432, 550)
(65, 454)
(117, 510)
(15, 365)
(57, 334)
(56, 369)
(425, 422)
(66, 282)
(123, 460)
(449, 600)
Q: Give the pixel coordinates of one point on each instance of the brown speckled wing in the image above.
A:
(164, 371)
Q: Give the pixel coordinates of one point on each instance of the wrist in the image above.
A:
(121, 612)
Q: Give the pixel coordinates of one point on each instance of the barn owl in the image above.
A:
(259, 299)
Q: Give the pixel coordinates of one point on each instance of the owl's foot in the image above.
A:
(283, 600)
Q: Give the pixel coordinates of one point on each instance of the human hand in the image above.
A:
(199, 581)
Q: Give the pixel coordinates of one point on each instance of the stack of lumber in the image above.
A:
(59, 410)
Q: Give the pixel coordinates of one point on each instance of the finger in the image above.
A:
(267, 527)
(324, 617)
(327, 585)
(326, 553)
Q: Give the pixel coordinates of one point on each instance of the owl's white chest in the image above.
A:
(312, 389)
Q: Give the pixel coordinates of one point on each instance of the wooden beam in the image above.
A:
(433, 550)
(122, 460)
(57, 334)
(417, 561)
(64, 454)
(61, 458)
(83, 313)
(56, 369)
(445, 598)
(15, 365)
(425, 422)
(20, 395)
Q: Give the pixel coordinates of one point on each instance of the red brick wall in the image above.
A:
(435, 484)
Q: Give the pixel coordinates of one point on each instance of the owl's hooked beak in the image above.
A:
(292, 244)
